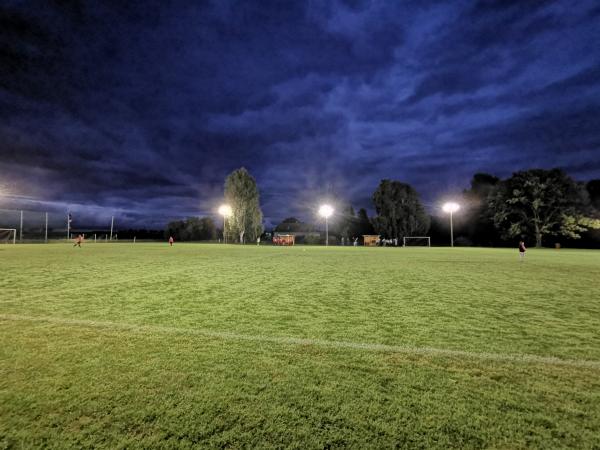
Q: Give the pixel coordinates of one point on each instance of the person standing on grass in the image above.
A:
(171, 240)
(522, 250)
(78, 241)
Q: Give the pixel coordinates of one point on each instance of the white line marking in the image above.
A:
(384, 348)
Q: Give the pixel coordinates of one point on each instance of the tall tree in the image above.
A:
(363, 223)
(399, 211)
(593, 189)
(346, 222)
(476, 219)
(241, 193)
(540, 203)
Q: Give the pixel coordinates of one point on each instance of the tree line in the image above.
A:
(539, 206)
(534, 205)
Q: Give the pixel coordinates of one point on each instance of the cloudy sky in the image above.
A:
(142, 108)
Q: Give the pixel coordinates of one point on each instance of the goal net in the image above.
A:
(8, 235)
(416, 241)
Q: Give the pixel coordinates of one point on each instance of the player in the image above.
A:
(522, 250)
(78, 241)
(171, 240)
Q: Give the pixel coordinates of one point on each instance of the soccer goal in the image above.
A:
(416, 241)
(8, 235)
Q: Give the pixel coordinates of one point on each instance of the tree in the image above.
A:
(346, 222)
(399, 211)
(241, 193)
(363, 223)
(192, 229)
(476, 219)
(291, 224)
(593, 189)
(540, 203)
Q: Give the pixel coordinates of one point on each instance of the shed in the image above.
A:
(370, 240)
(284, 239)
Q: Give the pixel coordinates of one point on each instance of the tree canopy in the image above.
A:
(192, 229)
(540, 203)
(241, 193)
(291, 224)
(399, 211)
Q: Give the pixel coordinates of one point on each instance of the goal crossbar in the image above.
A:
(14, 232)
(416, 237)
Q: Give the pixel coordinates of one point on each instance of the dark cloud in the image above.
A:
(142, 108)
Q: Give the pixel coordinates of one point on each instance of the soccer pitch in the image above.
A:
(122, 345)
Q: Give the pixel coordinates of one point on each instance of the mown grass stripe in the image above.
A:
(373, 347)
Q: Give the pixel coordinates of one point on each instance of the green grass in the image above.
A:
(126, 346)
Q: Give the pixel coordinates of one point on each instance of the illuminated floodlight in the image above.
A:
(225, 210)
(325, 211)
(451, 207)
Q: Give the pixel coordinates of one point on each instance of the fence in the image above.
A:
(38, 226)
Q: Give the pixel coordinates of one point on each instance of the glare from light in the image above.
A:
(451, 207)
(325, 211)
(225, 210)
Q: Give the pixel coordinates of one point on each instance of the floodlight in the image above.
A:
(225, 210)
(451, 207)
(325, 211)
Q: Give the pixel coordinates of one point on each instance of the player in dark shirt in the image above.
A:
(522, 250)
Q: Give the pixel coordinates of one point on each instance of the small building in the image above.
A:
(284, 239)
(370, 240)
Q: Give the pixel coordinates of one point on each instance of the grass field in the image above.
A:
(126, 346)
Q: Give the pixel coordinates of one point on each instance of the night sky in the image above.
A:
(142, 110)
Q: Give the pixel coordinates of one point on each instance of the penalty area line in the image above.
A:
(382, 348)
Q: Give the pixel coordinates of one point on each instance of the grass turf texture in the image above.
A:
(120, 345)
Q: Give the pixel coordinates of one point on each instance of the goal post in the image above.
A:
(416, 241)
(8, 235)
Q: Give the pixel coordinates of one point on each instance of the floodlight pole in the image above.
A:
(46, 234)
(224, 234)
(21, 228)
(451, 231)
(326, 231)
(68, 226)
(112, 222)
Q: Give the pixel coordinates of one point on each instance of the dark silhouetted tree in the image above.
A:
(476, 219)
(399, 211)
(192, 229)
(293, 225)
(363, 223)
(593, 189)
(540, 203)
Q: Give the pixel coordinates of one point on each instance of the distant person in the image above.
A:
(522, 250)
(171, 240)
(356, 242)
(258, 240)
(78, 241)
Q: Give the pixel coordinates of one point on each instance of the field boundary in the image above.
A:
(372, 347)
